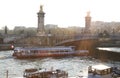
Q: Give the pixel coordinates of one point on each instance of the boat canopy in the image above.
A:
(44, 48)
(100, 67)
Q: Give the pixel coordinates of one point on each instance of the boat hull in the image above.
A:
(47, 52)
(41, 55)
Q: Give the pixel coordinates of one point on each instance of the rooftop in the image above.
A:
(100, 67)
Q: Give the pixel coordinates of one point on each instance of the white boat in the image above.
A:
(101, 71)
(38, 52)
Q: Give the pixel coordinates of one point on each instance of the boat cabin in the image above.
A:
(43, 73)
(99, 71)
(37, 52)
(50, 49)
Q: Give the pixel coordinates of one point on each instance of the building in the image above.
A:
(101, 26)
(51, 26)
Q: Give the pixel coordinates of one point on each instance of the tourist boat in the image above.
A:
(43, 73)
(102, 71)
(37, 52)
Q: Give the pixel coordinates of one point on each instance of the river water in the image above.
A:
(73, 65)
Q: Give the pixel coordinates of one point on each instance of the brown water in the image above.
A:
(73, 65)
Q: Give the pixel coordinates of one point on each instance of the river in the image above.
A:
(114, 49)
(73, 65)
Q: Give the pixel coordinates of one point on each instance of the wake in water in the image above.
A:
(6, 54)
(5, 57)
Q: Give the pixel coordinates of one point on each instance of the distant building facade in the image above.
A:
(100, 26)
(17, 28)
(51, 26)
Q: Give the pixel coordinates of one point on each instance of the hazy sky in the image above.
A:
(64, 13)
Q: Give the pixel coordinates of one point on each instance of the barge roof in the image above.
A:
(43, 48)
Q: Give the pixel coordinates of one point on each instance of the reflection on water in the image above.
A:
(114, 49)
(73, 65)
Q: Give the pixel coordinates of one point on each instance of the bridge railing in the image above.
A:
(84, 37)
(75, 38)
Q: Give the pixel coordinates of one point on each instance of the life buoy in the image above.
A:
(12, 46)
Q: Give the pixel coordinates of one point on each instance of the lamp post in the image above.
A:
(7, 74)
(48, 38)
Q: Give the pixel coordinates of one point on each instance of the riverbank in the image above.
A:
(4, 47)
(105, 55)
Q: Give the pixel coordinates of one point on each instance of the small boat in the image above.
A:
(101, 71)
(37, 52)
(43, 73)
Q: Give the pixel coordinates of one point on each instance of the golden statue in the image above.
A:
(41, 8)
(88, 13)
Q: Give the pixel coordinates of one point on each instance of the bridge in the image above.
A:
(89, 42)
(78, 40)
(75, 38)
(67, 39)
(81, 42)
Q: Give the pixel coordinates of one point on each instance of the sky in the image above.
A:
(64, 13)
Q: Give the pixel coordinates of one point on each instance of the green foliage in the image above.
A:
(105, 34)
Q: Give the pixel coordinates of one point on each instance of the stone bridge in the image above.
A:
(87, 41)
(67, 39)
(80, 42)
(90, 42)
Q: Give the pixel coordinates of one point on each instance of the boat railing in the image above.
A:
(43, 73)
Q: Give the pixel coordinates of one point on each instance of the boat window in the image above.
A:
(109, 70)
(28, 51)
(104, 72)
(15, 51)
(90, 69)
(97, 72)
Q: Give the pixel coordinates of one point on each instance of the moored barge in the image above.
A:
(37, 52)
(102, 71)
(43, 73)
